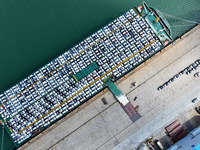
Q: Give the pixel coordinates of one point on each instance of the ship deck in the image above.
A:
(95, 125)
(74, 77)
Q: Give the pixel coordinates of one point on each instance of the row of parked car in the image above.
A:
(51, 92)
(188, 70)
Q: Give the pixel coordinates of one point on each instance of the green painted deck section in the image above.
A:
(81, 74)
(157, 25)
(113, 88)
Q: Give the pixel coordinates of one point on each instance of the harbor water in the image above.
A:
(32, 33)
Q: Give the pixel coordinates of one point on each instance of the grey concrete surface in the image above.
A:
(158, 123)
(99, 126)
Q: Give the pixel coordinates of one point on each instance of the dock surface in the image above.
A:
(98, 126)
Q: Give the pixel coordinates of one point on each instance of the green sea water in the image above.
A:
(7, 141)
(33, 32)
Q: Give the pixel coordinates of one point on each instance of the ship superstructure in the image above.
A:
(77, 75)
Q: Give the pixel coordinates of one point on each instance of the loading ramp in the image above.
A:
(123, 100)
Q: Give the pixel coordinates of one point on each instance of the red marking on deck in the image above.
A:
(131, 112)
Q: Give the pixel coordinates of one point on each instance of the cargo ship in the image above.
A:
(68, 81)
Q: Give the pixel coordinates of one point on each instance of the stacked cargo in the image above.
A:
(176, 131)
(52, 91)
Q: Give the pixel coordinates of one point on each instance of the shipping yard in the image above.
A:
(146, 83)
(75, 76)
(106, 126)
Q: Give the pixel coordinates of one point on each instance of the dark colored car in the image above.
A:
(195, 100)
(197, 74)
(198, 109)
